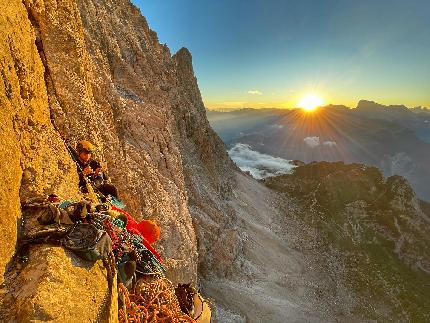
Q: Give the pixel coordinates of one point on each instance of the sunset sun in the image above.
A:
(310, 102)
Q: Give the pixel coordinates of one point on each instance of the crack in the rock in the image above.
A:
(49, 82)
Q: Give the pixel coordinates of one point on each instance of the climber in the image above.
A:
(93, 170)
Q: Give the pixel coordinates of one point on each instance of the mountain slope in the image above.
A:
(373, 236)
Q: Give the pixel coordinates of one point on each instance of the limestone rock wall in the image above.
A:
(34, 158)
(92, 69)
(56, 286)
(209, 172)
(35, 162)
(108, 80)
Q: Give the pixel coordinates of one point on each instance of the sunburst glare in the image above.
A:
(310, 102)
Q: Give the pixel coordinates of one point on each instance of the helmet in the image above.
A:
(84, 146)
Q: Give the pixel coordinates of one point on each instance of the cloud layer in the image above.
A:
(259, 165)
(312, 141)
(315, 142)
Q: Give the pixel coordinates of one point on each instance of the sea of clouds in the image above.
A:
(258, 164)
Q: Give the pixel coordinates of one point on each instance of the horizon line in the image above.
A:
(243, 105)
(278, 107)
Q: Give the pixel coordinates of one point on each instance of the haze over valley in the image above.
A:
(393, 138)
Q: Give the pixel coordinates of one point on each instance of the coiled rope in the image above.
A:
(152, 302)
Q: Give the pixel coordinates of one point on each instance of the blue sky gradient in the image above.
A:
(280, 50)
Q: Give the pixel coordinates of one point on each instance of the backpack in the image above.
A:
(45, 213)
(88, 242)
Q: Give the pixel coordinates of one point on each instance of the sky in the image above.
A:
(270, 53)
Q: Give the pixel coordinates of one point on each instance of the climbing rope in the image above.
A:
(152, 302)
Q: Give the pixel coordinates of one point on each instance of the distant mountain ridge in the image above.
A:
(393, 138)
(411, 118)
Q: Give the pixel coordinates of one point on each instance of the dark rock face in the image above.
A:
(373, 236)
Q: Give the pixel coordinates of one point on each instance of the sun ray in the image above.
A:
(324, 123)
(310, 102)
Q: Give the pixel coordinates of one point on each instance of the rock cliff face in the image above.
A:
(31, 149)
(91, 69)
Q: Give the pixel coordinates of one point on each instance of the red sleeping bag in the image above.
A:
(147, 229)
